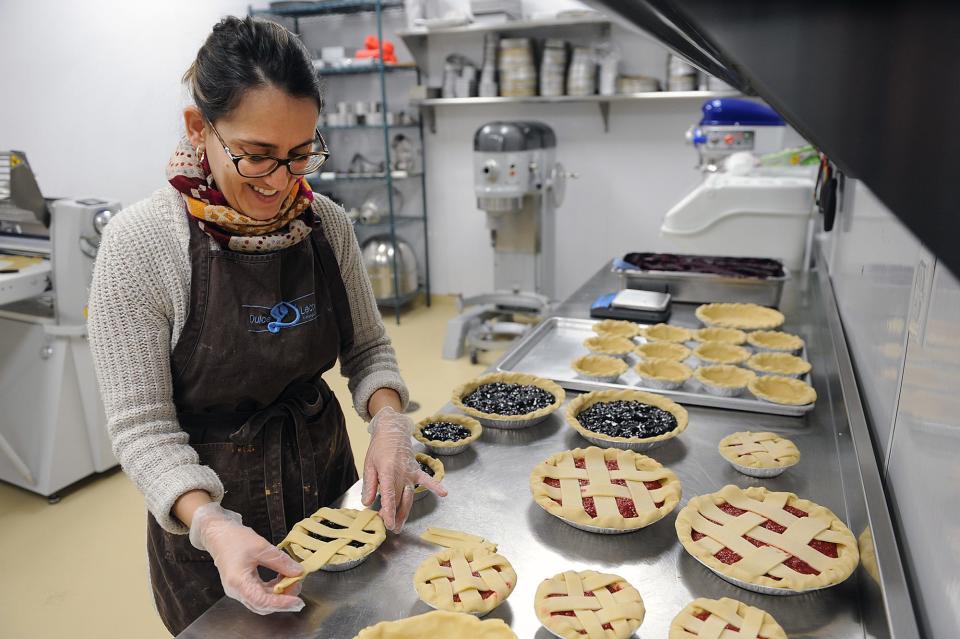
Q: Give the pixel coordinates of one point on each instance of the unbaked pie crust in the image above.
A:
(589, 605)
(586, 400)
(759, 450)
(767, 565)
(721, 353)
(724, 376)
(609, 345)
(778, 364)
(666, 370)
(720, 334)
(667, 333)
(783, 390)
(775, 341)
(712, 618)
(599, 366)
(663, 350)
(617, 328)
(749, 317)
(439, 623)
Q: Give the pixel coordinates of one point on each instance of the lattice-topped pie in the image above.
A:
(720, 334)
(713, 353)
(332, 539)
(632, 419)
(472, 579)
(509, 400)
(778, 364)
(589, 605)
(663, 350)
(771, 540)
(748, 317)
(724, 619)
(667, 333)
(759, 454)
(605, 490)
(775, 341)
(439, 623)
(620, 328)
(783, 390)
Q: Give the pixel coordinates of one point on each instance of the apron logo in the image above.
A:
(282, 315)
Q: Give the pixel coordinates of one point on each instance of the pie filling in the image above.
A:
(627, 418)
(330, 524)
(502, 398)
(571, 613)
(704, 615)
(796, 564)
(426, 468)
(445, 432)
(484, 594)
(626, 506)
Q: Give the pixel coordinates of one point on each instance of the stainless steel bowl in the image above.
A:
(377, 255)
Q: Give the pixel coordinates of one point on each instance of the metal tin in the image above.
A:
(703, 288)
(597, 529)
(510, 424)
(346, 565)
(763, 473)
(447, 450)
(659, 384)
(635, 446)
(607, 379)
(763, 590)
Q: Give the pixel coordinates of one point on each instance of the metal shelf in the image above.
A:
(325, 7)
(603, 101)
(366, 68)
(398, 219)
(512, 25)
(376, 127)
(373, 177)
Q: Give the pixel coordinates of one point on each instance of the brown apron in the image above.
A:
(247, 385)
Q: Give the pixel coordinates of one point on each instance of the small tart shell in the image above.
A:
(599, 366)
(686, 625)
(616, 328)
(669, 492)
(759, 450)
(609, 345)
(721, 353)
(437, 590)
(585, 401)
(437, 447)
(435, 464)
(748, 317)
(665, 370)
(775, 341)
(567, 592)
(724, 376)
(663, 350)
(509, 378)
(783, 390)
(778, 364)
(720, 334)
(837, 532)
(668, 333)
(439, 623)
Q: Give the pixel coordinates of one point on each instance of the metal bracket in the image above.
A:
(605, 114)
(428, 115)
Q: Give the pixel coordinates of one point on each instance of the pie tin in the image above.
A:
(779, 374)
(346, 565)
(763, 590)
(475, 614)
(767, 349)
(764, 399)
(606, 379)
(659, 384)
(722, 391)
(598, 529)
(635, 446)
(761, 472)
(446, 450)
(507, 424)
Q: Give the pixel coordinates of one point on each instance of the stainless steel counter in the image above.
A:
(489, 496)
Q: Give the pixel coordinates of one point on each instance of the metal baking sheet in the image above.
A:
(550, 348)
(702, 288)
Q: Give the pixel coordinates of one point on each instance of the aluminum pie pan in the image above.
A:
(763, 473)
(763, 590)
(767, 349)
(722, 391)
(638, 446)
(761, 373)
(510, 424)
(446, 450)
(346, 565)
(605, 379)
(659, 384)
(475, 614)
(597, 529)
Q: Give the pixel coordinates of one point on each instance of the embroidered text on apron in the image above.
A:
(247, 385)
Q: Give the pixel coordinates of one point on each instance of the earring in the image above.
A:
(201, 152)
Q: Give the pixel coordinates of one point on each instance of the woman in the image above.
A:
(216, 305)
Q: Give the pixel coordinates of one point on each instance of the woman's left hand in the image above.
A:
(390, 466)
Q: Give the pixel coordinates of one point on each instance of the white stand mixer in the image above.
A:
(518, 184)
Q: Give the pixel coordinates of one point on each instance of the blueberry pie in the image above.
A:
(631, 419)
(713, 618)
(447, 434)
(508, 400)
(589, 605)
(432, 467)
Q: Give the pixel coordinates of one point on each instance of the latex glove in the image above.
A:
(391, 466)
(237, 551)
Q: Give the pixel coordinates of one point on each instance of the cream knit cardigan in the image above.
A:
(139, 301)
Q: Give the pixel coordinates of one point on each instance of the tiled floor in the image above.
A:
(78, 569)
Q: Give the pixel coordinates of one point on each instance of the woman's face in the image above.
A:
(267, 121)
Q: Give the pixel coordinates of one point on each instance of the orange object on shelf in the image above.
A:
(373, 49)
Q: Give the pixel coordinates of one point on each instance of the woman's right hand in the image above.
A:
(237, 552)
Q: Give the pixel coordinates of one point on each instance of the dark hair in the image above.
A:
(242, 54)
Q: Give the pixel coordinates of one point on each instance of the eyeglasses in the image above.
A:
(253, 165)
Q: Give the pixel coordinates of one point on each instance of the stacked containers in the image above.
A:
(582, 75)
(552, 67)
(518, 76)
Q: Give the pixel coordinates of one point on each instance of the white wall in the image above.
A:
(91, 90)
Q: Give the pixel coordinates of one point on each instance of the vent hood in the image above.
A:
(875, 86)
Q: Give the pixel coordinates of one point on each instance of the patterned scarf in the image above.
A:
(230, 228)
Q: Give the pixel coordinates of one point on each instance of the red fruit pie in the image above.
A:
(589, 605)
(711, 618)
(465, 579)
(774, 540)
(611, 489)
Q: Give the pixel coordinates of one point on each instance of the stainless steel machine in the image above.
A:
(52, 422)
(518, 184)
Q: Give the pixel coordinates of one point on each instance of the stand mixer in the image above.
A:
(518, 184)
